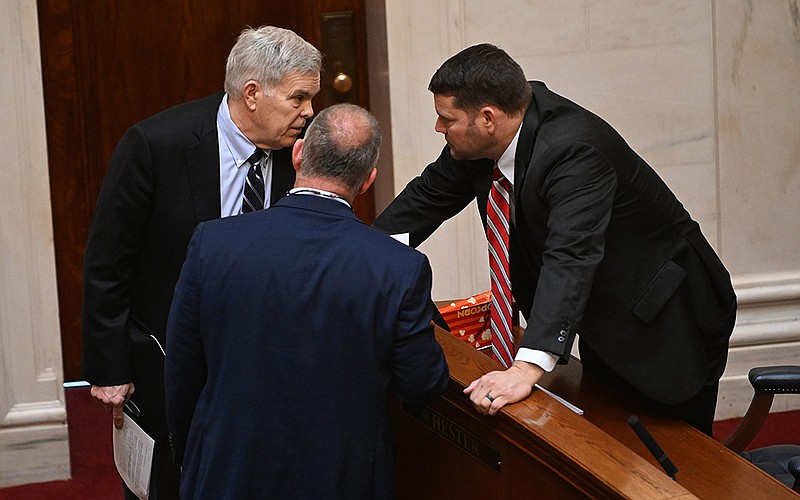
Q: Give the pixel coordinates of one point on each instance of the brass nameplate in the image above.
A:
(456, 435)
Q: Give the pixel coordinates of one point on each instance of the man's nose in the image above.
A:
(308, 110)
(439, 127)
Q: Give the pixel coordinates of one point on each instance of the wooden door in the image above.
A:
(106, 65)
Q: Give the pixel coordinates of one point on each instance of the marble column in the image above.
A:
(33, 428)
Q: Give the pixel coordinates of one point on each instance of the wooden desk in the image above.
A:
(538, 448)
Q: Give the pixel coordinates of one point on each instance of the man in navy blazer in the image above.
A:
(599, 245)
(290, 327)
(169, 172)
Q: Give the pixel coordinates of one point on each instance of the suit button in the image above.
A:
(561, 339)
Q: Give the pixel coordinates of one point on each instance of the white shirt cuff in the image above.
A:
(545, 360)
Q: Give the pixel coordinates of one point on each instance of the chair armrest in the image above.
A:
(766, 381)
(775, 379)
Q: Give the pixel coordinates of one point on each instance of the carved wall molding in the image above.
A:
(33, 428)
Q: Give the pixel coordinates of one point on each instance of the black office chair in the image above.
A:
(780, 461)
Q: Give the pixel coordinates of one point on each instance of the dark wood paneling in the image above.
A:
(364, 205)
(107, 65)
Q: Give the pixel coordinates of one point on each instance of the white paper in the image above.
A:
(133, 454)
(401, 237)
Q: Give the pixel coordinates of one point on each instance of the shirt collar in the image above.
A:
(506, 161)
(320, 193)
(239, 146)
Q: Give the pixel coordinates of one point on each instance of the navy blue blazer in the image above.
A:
(600, 247)
(288, 330)
(163, 179)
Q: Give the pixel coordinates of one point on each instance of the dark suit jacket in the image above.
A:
(288, 329)
(600, 246)
(162, 181)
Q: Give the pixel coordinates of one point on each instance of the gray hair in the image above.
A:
(268, 54)
(342, 143)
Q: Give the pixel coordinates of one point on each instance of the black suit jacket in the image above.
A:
(163, 179)
(600, 246)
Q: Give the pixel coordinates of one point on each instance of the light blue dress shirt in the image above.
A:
(234, 150)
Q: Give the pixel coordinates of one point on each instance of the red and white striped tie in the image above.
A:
(497, 232)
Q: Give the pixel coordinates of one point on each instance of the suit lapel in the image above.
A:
(282, 174)
(527, 138)
(202, 159)
(203, 168)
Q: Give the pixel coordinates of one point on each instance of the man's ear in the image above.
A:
(487, 118)
(297, 154)
(368, 181)
(249, 91)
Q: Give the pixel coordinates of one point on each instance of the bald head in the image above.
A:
(340, 146)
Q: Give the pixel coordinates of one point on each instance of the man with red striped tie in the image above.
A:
(584, 237)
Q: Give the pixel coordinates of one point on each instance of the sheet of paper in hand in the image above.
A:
(133, 455)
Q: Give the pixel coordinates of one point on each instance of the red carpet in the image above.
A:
(95, 477)
(780, 428)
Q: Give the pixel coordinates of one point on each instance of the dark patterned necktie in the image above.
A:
(497, 232)
(253, 195)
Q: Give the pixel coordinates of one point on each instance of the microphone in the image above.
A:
(652, 446)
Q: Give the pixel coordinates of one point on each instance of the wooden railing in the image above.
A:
(539, 448)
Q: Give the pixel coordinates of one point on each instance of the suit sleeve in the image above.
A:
(185, 367)
(443, 189)
(120, 220)
(420, 372)
(579, 192)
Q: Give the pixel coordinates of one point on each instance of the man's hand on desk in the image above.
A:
(497, 389)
